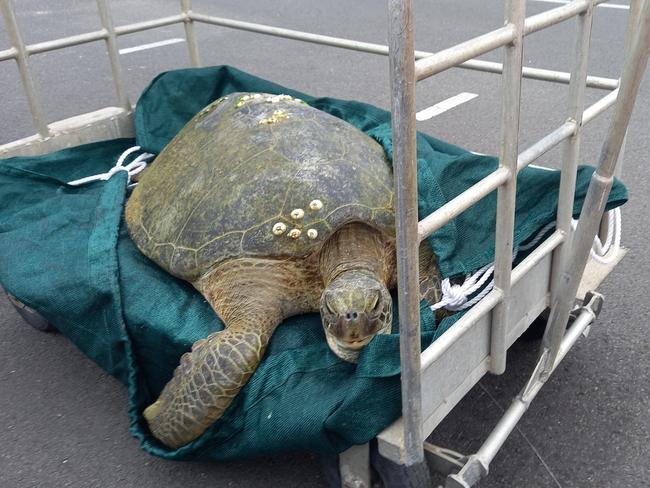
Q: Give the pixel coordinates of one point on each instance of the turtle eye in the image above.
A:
(328, 304)
(374, 307)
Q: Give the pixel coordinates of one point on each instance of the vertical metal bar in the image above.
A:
(603, 230)
(571, 148)
(632, 18)
(190, 33)
(22, 60)
(632, 27)
(505, 221)
(601, 183)
(402, 78)
(113, 53)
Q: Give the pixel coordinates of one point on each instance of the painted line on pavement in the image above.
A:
(443, 106)
(151, 45)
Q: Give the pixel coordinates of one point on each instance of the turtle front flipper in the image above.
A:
(208, 379)
(430, 281)
(252, 296)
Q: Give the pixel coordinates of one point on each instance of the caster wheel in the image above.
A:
(31, 316)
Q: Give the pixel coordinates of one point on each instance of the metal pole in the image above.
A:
(113, 54)
(402, 77)
(190, 33)
(633, 17)
(505, 221)
(601, 183)
(22, 60)
(571, 148)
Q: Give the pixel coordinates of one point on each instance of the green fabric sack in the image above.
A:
(66, 253)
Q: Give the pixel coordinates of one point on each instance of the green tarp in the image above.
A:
(65, 252)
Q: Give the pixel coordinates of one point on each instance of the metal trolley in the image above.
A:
(551, 277)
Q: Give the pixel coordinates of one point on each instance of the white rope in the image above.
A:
(132, 169)
(607, 252)
(456, 297)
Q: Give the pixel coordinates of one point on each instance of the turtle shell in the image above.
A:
(257, 175)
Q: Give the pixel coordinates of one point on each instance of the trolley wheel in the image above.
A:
(385, 473)
(31, 316)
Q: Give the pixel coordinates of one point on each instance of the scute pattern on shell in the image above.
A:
(221, 185)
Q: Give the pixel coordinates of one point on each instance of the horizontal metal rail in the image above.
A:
(434, 221)
(565, 131)
(500, 37)
(545, 144)
(464, 51)
(43, 47)
(462, 202)
(149, 24)
(557, 15)
(343, 43)
(10, 53)
(530, 261)
(381, 49)
(98, 35)
(599, 107)
(540, 74)
(432, 353)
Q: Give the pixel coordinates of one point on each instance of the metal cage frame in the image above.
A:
(432, 383)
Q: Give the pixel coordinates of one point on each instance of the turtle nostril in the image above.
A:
(351, 315)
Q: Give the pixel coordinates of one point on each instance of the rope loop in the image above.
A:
(456, 297)
(132, 169)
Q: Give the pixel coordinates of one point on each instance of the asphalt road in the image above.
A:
(63, 421)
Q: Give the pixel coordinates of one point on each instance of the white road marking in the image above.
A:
(151, 45)
(443, 106)
(604, 5)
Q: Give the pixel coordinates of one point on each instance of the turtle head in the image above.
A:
(354, 307)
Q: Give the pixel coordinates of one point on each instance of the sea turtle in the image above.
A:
(270, 208)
